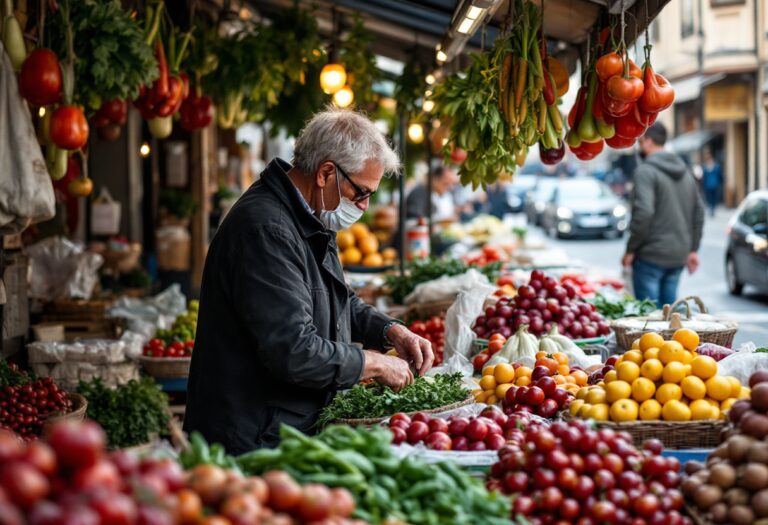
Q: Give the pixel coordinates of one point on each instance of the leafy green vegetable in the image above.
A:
(360, 62)
(375, 400)
(130, 414)
(112, 60)
(762, 349)
(624, 307)
(421, 271)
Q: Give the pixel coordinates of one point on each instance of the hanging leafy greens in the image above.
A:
(410, 88)
(360, 63)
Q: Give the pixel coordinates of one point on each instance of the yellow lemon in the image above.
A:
(616, 390)
(735, 386)
(628, 371)
(488, 383)
(651, 353)
(700, 409)
(596, 396)
(688, 370)
(482, 396)
(686, 337)
(624, 410)
(610, 375)
(576, 405)
(501, 390)
(727, 404)
(703, 366)
(643, 389)
(716, 413)
(671, 351)
(688, 357)
(675, 411)
(668, 392)
(523, 371)
(652, 369)
(504, 373)
(674, 372)
(718, 388)
(582, 393)
(712, 401)
(584, 410)
(694, 388)
(649, 340)
(650, 410)
(599, 412)
(633, 356)
(745, 393)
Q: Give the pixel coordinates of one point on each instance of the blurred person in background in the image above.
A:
(444, 179)
(667, 221)
(712, 180)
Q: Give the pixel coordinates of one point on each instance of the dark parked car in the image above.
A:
(537, 198)
(584, 206)
(746, 258)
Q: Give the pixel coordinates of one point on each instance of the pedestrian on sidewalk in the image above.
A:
(712, 180)
(667, 221)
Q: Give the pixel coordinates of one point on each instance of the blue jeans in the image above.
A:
(654, 282)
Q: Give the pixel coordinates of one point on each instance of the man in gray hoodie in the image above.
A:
(667, 221)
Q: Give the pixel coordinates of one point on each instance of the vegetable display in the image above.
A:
(421, 271)
(574, 474)
(385, 487)
(183, 328)
(375, 400)
(624, 307)
(130, 414)
(434, 331)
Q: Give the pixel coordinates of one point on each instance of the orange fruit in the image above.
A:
(560, 380)
(570, 380)
(694, 388)
(668, 392)
(345, 239)
(735, 386)
(688, 357)
(635, 344)
(563, 370)
(674, 372)
(360, 231)
(671, 351)
(492, 399)
(584, 410)
(628, 371)
(580, 376)
(560, 357)
(501, 390)
(523, 381)
(595, 396)
(523, 371)
(652, 369)
(373, 260)
(700, 409)
(703, 366)
(649, 340)
(540, 355)
(503, 373)
(634, 356)
(746, 393)
(369, 245)
(718, 388)
(389, 254)
(643, 389)
(650, 410)
(488, 383)
(616, 390)
(674, 410)
(599, 412)
(489, 370)
(624, 410)
(482, 396)
(575, 406)
(351, 256)
(687, 337)
(610, 376)
(651, 353)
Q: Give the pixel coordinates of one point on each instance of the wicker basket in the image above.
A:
(696, 515)
(79, 407)
(376, 420)
(723, 337)
(166, 367)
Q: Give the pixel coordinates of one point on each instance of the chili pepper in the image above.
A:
(358, 460)
(159, 91)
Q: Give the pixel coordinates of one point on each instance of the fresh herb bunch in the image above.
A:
(129, 414)
(624, 307)
(112, 58)
(386, 488)
(10, 375)
(360, 62)
(421, 271)
(375, 400)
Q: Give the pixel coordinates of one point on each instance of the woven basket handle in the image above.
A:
(684, 301)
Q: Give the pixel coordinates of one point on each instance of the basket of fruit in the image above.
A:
(359, 250)
(76, 412)
(661, 389)
(710, 329)
(166, 367)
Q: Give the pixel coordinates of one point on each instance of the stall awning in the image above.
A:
(691, 141)
(690, 88)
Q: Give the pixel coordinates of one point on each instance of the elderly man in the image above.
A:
(277, 320)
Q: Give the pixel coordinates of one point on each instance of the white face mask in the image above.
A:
(344, 216)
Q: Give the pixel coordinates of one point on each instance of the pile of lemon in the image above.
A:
(660, 379)
(359, 246)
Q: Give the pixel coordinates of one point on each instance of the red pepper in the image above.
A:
(549, 88)
(173, 101)
(196, 112)
(161, 86)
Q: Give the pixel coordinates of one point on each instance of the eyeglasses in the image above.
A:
(360, 193)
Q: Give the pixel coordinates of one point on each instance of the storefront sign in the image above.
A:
(731, 102)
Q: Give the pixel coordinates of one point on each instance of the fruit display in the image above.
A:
(485, 431)
(541, 305)
(716, 352)
(425, 270)
(625, 306)
(488, 254)
(495, 345)
(660, 379)
(434, 331)
(359, 246)
(732, 487)
(574, 474)
(387, 489)
(156, 348)
(70, 478)
(25, 401)
(588, 286)
(506, 286)
(183, 328)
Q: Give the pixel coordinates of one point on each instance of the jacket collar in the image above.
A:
(275, 176)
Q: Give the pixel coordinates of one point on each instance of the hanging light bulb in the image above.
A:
(333, 77)
(430, 79)
(428, 105)
(344, 97)
(144, 149)
(416, 133)
(41, 112)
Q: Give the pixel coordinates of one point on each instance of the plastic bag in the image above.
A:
(446, 288)
(460, 317)
(62, 269)
(145, 316)
(456, 363)
(743, 363)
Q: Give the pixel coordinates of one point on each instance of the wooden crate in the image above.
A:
(82, 319)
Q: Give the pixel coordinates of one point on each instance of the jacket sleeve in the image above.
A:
(367, 323)
(697, 229)
(643, 204)
(269, 293)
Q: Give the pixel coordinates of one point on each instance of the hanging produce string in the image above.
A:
(648, 45)
(41, 24)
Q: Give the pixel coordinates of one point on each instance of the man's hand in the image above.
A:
(693, 262)
(626, 261)
(388, 370)
(414, 349)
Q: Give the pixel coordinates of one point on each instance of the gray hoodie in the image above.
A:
(667, 211)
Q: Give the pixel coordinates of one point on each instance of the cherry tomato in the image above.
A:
(69, 129)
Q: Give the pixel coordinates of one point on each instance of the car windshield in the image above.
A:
(545, 188)
(582, 190)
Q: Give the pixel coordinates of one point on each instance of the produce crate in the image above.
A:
(695, 515)
(590, 346)
(676, 435)
(82, 319)
(684, 456)
(166, 367)
(79, 408)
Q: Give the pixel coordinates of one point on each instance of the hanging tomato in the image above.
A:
(625, 88)
(613, 107)
(609, 65)
(658, 94)
(559, 75)
(619, 142)
(634, 70)
(196, 112)
(40, 78)
(81, 186)
(69, 129)
(628, 126)
(458, 155)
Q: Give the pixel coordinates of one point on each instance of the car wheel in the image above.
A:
(734, 285)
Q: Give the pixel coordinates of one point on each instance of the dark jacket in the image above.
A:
(667, 212)
(276, 321)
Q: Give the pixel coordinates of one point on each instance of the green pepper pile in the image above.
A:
(384, 486)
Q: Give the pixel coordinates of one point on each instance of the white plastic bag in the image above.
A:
(62, 269)
(446, 288)
(743, 363)
(105, 214)
(460, 317)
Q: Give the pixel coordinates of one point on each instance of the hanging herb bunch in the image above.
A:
(360, 63)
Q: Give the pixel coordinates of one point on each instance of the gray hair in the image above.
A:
(346, 138)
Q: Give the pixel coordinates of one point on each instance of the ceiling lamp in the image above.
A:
(333, 77)
(430, 79)
(428, 105)
(416, 133)
(344, 97)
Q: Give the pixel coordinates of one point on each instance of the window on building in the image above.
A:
(718, 3)
(687, 26)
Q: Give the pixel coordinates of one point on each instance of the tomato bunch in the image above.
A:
(157, 348)
(487, 255)
(495, 344)
(432, 330)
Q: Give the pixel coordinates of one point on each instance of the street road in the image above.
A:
(750, 310)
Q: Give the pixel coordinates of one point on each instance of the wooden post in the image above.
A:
(200, 165)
